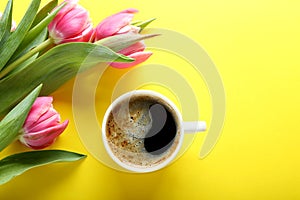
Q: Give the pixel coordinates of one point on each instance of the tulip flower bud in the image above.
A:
(71, 24)
(120, 23)
(42, 125)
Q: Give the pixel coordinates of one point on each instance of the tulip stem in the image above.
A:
(26, 56)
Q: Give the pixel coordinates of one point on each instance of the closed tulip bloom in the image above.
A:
(42, 125)
(120, 23)
(71, 24)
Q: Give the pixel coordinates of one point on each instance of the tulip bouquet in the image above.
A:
(47, 48)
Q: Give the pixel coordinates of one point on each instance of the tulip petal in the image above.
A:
(43, 138)
(129, 10)
(85, 36)
(50, 113)
(73, 22)
(112, 24)
(137, 47)
(138, 56)
(52, 120)
(129, 28)
(69, 6)
(39, 107)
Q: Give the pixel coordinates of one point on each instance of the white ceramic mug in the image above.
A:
(181, 127)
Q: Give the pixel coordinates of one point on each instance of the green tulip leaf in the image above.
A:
(5, 22)
(17, 164)
(35, 31)
(53, 69)
(122, 41)
(38, 39)
(15, 39)
(44, 12)
(133, 23)
(144, 24)
(14, 120)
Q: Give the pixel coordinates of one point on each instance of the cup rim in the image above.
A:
(115, 158)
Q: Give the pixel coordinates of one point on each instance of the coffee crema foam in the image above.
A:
(127, 126)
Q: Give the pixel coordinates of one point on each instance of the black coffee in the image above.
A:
(143, 131)
(162, 132)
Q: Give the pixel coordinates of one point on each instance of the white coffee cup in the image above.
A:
(167, 157)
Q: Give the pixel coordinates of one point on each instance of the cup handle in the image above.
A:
(194, 126)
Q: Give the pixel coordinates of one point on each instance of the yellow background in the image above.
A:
(255, 46)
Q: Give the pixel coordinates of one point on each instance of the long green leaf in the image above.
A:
(36, 30)
(38, 39)
(17, 36)
(17, 164)
(5, 22)
(14, 120)
(119, 42)
(54, 68)
(44, 12)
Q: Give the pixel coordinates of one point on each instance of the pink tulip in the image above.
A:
(71, 24)
(42, 125)
(13, 24)
(120, 23)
